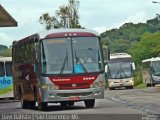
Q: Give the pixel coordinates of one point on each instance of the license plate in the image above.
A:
(74, 98)
(121, 84)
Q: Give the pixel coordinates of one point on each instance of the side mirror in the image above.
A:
(133, 66)
(106, 52)
(106, 68)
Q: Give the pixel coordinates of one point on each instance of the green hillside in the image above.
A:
(122, 39)
(141, 40)
(5, 51)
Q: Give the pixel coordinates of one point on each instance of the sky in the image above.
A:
(98, 15)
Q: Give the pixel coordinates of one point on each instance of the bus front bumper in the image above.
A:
(116, 83)
(72, 95)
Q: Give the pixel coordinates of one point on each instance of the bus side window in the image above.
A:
(8, 66)
(2, 72)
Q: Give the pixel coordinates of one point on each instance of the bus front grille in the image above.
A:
(73, 94)
(76, 85)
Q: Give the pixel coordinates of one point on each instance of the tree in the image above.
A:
(65, 17)
(48, 21)
(2, 47)
(6, 52)
(149, 46)
(129, 32)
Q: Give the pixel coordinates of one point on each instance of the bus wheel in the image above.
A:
(89, 103)
(71, 103)
(42, 106)
(111, 88)
(148, 85)
(131, 87)
(153, 85)
(64, 104)
(24, 103)
(32, 104)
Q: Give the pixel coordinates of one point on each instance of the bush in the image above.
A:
(138, 76)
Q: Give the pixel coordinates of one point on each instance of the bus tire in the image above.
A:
(70, 103)
(111, 88)
(42, 106)
(89, 103)
(153, 85)
(148, 85)
(131, 87)
(64, 104)
(32, 104)
(24, 103)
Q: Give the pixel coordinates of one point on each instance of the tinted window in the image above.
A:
(2, 72)
(8, 68)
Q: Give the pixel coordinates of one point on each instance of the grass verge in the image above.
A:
(141, 85)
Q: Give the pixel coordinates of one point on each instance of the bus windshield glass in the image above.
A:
(70, 55)
(156, 68)
(120, 70)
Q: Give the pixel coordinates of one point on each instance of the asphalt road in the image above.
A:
(118, 104)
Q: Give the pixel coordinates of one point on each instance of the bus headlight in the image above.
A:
(49, 87)
(97, 84)
(132, 82)
(110, 82)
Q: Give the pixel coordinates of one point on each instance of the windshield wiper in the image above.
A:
(117, 73)
(124, 73)
(64, 62)
(109, 72)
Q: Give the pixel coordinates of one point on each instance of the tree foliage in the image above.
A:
(48, 21)
(2, 47)
(148, 47)
(65, 17)
(6, 52)
(130, 33)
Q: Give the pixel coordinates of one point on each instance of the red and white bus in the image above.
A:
(58, 66)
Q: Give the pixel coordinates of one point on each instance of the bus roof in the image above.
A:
(63, 31)
(119, 55)
(5, 58)
(58, 33)
(151, 59)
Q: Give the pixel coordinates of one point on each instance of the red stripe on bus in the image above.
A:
(74, 82)
(70, 34)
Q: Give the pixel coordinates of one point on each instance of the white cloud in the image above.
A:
(100, 29)
(5, 39)
(100, 15)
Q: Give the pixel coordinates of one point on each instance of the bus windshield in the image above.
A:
(119, 70)
(156, 68)
(70, 55)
